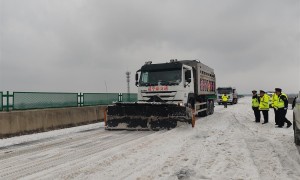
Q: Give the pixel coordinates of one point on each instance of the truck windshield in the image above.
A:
(224, 90)
(165, 77)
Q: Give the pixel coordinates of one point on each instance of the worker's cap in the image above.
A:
(262, 91)
(277, 90)
(254, 91)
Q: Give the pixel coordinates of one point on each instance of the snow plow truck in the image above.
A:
(168, 94)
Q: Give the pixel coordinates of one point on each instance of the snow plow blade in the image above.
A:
(146, 116)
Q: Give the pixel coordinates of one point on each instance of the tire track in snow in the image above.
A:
(128, 155)
(19, 153)
(39, 145)
(268, 154)
(65, 155)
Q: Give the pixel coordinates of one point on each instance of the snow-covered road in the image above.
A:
(225, 145)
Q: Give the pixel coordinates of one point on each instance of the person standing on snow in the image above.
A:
(224, 100)
(264, 105)
(274, 102)
(255, 106)
(282, 106)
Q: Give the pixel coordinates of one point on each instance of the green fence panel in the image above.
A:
(92, 99)
(41, 100)
(129, 97)
(1, 101)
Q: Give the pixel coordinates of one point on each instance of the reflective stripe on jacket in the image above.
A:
(264, 102)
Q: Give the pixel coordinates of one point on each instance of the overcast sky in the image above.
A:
(78, 45)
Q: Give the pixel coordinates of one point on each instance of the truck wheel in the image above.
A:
(212, 107)
(234, 101)
(297, 140)
(296, 135)
(207, 112)
(202, 113)
(208, 108)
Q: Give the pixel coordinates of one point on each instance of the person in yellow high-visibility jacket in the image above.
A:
(264, 105)
(282, 105)
(274, 102)
(255, 106)
(225, 100)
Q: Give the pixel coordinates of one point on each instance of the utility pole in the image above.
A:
(128, 81)
(128, 85)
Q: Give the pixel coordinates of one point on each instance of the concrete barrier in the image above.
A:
(30, 121)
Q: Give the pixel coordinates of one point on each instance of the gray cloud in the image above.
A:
(79, 45)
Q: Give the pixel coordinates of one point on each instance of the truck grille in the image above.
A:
(164, 95)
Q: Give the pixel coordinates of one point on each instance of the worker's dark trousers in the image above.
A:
(256, 114)
(266, 115)
(225, 104)
(281, 117)
(276, 116)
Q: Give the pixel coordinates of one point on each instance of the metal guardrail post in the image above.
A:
(7, 101)
(13, 100)
(120, 97)
(1, 101)
(80, 99)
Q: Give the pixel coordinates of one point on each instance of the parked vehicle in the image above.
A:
(296, 121)
(167, 93)
(230, 91)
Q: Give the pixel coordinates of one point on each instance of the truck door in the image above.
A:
(188, 80)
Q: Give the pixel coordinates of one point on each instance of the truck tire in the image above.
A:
(212, 107)
(203, 113)
(209, 108)
(208, 111)
(296, 134)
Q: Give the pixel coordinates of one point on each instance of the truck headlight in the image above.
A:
(180, 104)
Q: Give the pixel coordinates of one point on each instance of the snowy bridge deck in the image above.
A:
(225, 145)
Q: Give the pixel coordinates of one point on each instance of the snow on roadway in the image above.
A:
(225, 145)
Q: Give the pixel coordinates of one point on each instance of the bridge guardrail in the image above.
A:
(42, 100)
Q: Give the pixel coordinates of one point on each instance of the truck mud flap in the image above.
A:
(148, 116)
